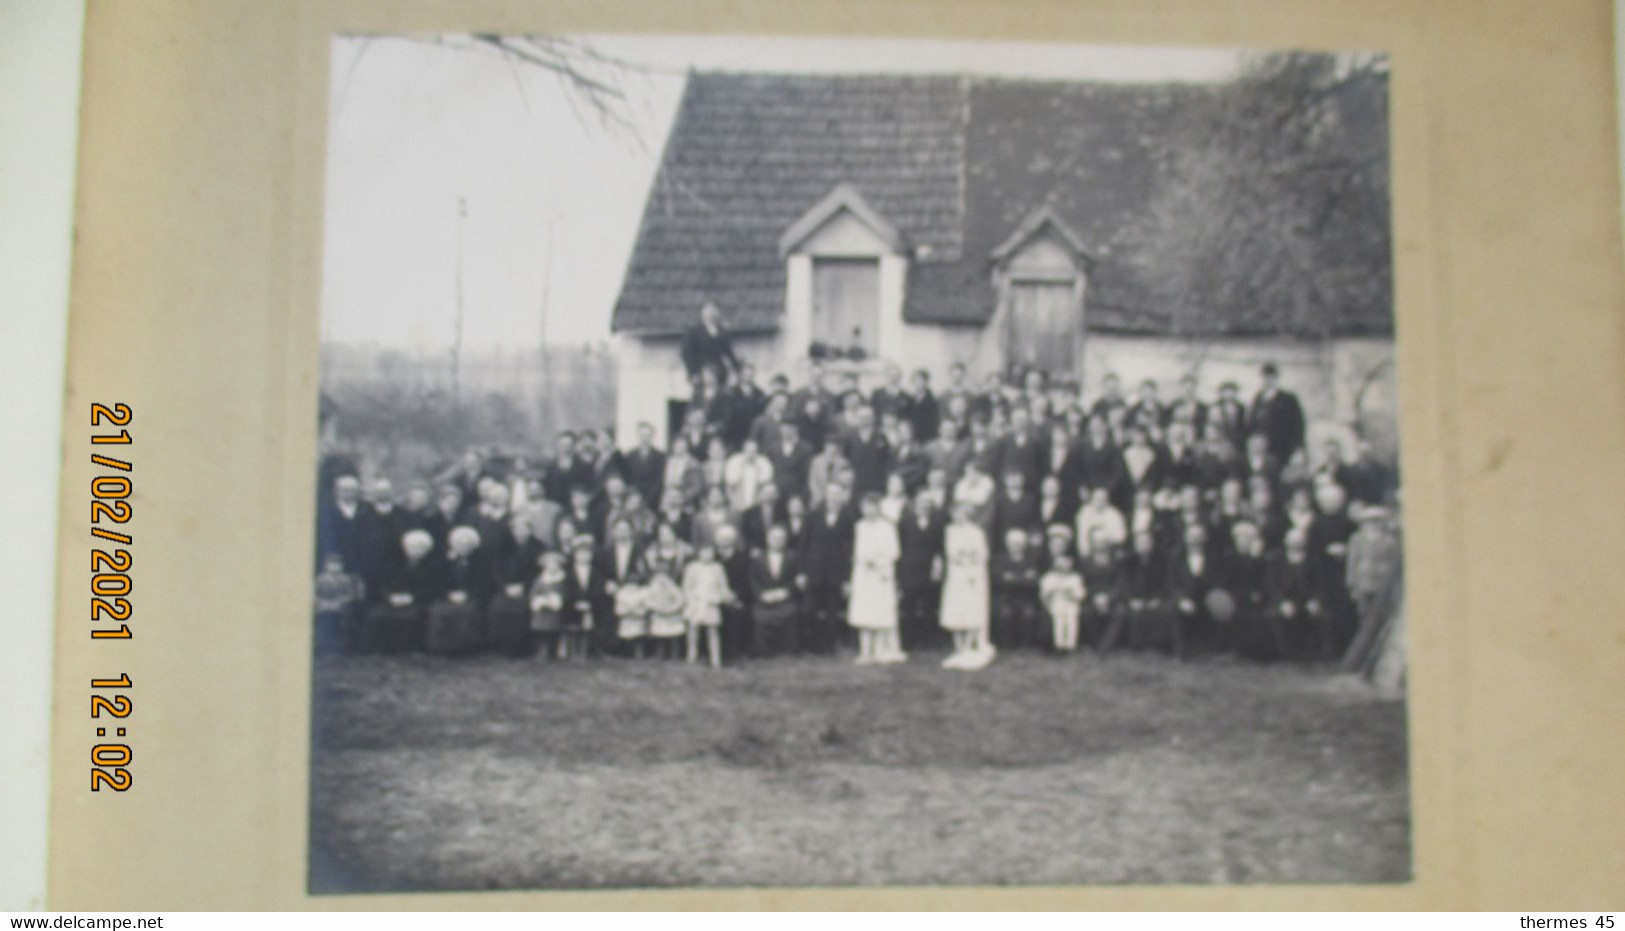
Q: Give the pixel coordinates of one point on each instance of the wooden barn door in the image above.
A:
(846, 303)
(1044, 326)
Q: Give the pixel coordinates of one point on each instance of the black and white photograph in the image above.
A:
(754, 461)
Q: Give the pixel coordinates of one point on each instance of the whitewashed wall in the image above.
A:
(1329, 377)
(651, 373)
(1323, 374)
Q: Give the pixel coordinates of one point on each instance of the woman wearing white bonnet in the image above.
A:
(457, 620)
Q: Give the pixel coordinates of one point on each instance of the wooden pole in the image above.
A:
(457, 337)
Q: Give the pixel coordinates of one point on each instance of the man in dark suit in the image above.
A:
(602, 456)
(1024, 449)
(755, 522)
(777, 600)
(586, 614)
(1293, 607)
(1229, 415)
(1015, 507)
(765, 428)
(1144, 607)
(977, 446)
(816, 389)
(584, 512)
(466, 472)
(791, 458)
(646, 465)
(738, 619)
(867, 452)
(1260, 460)
(707, 346)
(620, 560)
(826, 569)
(1190, 577)
(737, 410)
(1188, 408)
(696, 432)
(753, 400)
(889, 398)
(341, 526)
(383, 523)
(1277, 414)
(1240, 576)
(909, 460)
(1111, 397)
(1015, 569)
(450, 510)
(1099, 463)
(567, 470)
(919, 407)
(919, 572)
(1147, 409)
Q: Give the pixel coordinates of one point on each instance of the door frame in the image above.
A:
(1008, 279)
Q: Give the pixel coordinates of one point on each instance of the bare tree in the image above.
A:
(1276, 209)
(594, 82)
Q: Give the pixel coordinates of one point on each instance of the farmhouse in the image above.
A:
(924, 220)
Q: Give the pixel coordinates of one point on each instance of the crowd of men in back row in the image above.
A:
(1196, 523)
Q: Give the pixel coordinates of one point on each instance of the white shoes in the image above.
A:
(978, 658)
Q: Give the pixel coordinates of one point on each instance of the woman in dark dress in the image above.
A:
(396, 623)
(457, 618)
(508, 615)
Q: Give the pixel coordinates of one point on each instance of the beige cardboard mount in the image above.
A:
(196, 285)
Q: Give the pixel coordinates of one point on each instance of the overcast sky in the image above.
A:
(553, 199)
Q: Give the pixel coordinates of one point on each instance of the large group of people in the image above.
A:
(968, 518)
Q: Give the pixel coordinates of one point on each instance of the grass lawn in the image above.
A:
(493, 773)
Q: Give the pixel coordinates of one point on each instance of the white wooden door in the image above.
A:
(846, 303)
(1044, 325)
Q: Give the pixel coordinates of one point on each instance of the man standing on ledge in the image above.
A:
(1278, 415)
(707, 346)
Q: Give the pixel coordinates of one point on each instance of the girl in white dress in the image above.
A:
(872, 605)
(1062, 592)
(965, 590)
(705, 591)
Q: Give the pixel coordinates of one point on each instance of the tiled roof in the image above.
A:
(955, 164)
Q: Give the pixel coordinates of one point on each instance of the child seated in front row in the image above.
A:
(705, 592)
(1062, 593)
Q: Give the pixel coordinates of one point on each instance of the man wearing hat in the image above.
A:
(1278, 415)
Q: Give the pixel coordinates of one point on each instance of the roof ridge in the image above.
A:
(965, 79)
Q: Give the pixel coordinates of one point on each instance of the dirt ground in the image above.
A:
(493, 773)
